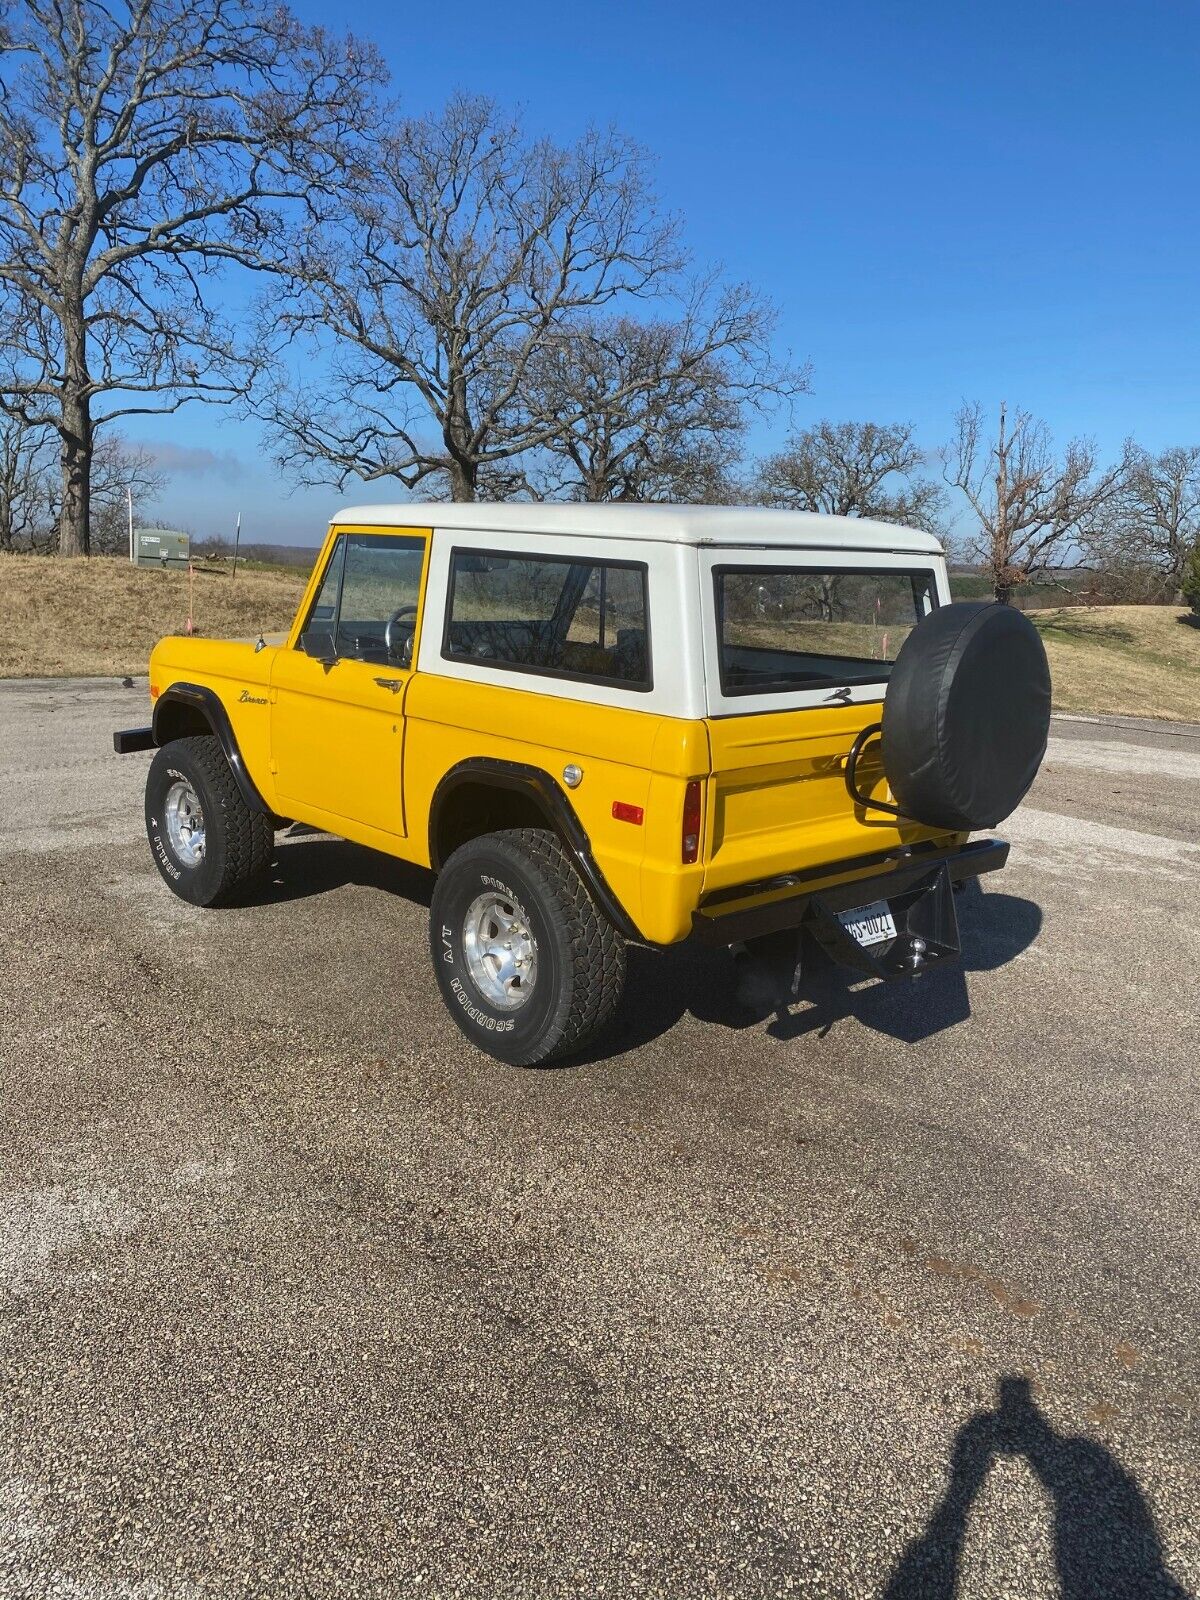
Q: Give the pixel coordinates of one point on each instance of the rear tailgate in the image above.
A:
(778, 801)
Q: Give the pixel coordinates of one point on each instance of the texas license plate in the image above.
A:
(869, 924)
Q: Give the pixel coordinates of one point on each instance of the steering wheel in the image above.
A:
(396, 647)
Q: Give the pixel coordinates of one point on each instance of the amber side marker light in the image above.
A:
(690, 841)
(624, 812)
(154, 691)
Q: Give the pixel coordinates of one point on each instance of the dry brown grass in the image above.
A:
(1133, 661)
(101, 617)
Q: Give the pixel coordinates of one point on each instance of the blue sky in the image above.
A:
(945, 200)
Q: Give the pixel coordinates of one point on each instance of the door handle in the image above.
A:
(394, 684)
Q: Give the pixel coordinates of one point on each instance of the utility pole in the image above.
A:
(1001, 576)
(129, 503)
(237, 539)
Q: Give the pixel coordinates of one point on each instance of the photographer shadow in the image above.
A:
(1106, 1546)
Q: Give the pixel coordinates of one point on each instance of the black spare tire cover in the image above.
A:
(966, 715)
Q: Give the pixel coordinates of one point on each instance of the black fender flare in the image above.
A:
(208, 703)
(540, 787)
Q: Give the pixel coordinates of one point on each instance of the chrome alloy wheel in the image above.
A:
(184, 817)
(501, 955)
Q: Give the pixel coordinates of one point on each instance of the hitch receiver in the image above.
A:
(926, 930)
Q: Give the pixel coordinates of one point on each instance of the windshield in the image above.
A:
(786, 628)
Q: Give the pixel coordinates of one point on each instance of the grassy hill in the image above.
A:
(1134, 661)
(100, 618)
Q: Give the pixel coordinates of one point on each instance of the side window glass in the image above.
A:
(381, 589)
(561, 616)
(609, 624)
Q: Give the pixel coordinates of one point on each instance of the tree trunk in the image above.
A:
(462, 480)
(1002, 589)
(456, 435)
(74, 523)
(6, 515)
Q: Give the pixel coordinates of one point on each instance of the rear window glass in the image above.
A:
(561, 616)
(786, 628)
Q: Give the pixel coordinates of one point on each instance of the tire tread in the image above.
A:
(249, 836)
(596, 946)
(595, 950)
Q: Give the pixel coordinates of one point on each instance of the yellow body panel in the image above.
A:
(632, 756)
(778, 800)
(360, 749)
(240, 676)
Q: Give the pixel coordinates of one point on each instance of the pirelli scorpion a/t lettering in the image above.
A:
(601, 724)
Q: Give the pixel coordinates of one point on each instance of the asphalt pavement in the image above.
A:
(896, 1296)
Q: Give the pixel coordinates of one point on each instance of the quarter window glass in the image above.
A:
(795, 628)
(562, 617)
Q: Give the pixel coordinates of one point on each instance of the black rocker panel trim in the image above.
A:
(540, 787)
(209, 705)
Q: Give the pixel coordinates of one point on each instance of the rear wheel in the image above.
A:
(527, 965)
(206, 841)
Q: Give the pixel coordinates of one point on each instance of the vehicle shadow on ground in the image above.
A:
(308, 863)
(1106, 1546)
(994, 930)
(663, 985)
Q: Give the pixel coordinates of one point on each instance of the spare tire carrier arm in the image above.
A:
(856, 794)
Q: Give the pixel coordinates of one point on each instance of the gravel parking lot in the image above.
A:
(897, 1296)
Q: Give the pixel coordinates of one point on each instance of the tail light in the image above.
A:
(692, 817)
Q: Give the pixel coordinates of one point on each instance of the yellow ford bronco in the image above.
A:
(602, 723)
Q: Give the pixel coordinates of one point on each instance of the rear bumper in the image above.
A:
(796, 898)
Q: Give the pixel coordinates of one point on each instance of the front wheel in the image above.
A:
(206, 841)
(527, 965)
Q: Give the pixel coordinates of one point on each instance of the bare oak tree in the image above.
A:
(441, 281)
(1152, 520)
(26, 483)
(121, 472)
(1033, 507)
(143, 145)
(656, 410)
(853, 469)
(30, 487)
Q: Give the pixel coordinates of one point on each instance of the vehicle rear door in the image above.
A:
(798, 648)
(338, 692)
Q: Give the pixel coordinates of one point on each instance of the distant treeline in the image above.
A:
(218, 548)
(1067, 586)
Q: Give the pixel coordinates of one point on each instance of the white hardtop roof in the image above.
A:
(748, 526)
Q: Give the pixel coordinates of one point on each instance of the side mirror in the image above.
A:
(318, 643)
